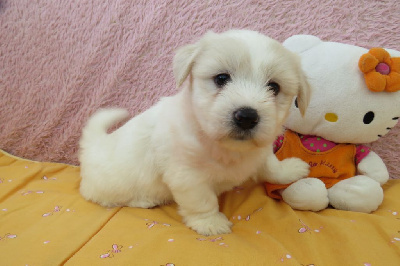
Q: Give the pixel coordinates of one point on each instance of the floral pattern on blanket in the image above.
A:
(41, 212)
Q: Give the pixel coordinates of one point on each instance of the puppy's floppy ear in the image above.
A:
(185, 57)
(304, 93)
(183, 62)
(299, 44)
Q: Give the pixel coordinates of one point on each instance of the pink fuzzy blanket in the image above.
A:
(62, 60)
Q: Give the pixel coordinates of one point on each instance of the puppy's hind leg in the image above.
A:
(150, 196)
(149, 201)
(145, 204)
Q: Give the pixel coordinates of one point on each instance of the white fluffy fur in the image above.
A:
(184, 148)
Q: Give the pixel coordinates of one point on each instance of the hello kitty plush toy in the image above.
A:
(355, 99)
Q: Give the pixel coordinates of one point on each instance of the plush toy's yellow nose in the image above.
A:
(331, 117)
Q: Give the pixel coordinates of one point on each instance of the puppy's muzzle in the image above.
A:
(246, 118)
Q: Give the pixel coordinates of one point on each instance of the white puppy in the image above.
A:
(211, 136)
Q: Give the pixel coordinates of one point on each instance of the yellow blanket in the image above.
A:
(45, 221)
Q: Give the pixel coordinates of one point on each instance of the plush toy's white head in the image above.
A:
(342, 108)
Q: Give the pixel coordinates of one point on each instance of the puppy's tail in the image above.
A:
(101, 121)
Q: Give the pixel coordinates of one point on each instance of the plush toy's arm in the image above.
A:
(373, 167)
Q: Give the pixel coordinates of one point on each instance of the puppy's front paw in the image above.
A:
(290, 170)
(214, 224)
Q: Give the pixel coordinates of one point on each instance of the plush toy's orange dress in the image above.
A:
(329, 166)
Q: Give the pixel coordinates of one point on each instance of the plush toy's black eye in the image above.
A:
(368, 117)
(221, 79)
(274, 87)
(296, 103)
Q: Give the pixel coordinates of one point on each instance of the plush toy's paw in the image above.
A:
(373, 167)
(290, 170)
(214, 224)
(359, 194)
(308, 194)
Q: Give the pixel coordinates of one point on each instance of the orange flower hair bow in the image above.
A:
(381, 72)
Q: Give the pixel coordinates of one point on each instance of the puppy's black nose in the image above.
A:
(246, 118)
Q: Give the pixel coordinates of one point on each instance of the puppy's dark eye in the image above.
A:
(274, 87)
(221, 79)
